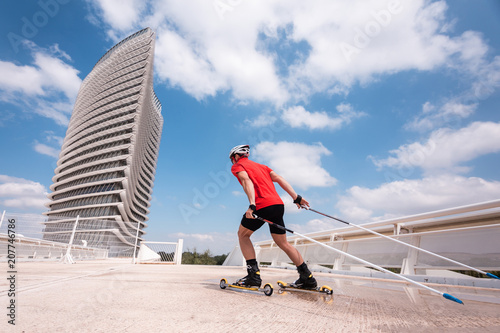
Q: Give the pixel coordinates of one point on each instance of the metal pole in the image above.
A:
(178, 251)
(136, 239)
(445, 295)
(1, 221)
(403, 243)
(67, 257)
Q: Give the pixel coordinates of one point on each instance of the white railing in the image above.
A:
(24, 236)
(160, 252)
(33, 249)
(467, 234)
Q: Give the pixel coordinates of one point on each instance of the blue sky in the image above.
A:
(371, 110)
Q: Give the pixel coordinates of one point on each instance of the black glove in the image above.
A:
(297, 200)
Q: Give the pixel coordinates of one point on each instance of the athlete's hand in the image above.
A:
(249, 213)
(303, 202)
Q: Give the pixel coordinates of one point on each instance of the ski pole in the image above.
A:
(406, 244)
(445, 295)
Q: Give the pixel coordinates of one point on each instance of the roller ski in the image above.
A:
(292, 286)
(267, 290)
(306, 281)
(250, 282)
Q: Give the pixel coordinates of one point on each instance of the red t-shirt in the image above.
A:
(265, 192)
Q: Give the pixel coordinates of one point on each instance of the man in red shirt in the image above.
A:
(258, 181)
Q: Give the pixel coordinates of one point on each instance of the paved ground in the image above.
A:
(107, 296)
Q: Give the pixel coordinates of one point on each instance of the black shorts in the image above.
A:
(272, 213)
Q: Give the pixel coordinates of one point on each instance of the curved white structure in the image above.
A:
(107, 164)
(467, 234)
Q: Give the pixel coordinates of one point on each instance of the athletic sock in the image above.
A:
(302, 267)
(252, 263)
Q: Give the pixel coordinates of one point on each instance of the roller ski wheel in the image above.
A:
(267, 289)
(323, 289)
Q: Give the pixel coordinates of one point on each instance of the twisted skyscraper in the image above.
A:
(107, 164)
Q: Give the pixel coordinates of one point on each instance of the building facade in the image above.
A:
(106, 168)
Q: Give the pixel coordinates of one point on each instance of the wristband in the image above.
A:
(252, 207)
(297, 200)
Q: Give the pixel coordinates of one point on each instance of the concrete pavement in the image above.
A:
(116, 296)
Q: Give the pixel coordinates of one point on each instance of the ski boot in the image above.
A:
(306, 279)
(252, 279)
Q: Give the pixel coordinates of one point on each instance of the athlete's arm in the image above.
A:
(249, 189)
(288, 188)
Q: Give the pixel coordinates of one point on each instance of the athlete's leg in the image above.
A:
(275, 214)
(246, 245)
(292, 253)
(306, 279)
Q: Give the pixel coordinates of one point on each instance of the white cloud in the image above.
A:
(207, 66)
(58, 111)
(217, 242)
(57, 75)
(298, 116)
(407, 197)
(180, 65)
(52, 138)
(120, 14)
(199, 237)
(298, 163)
(47, 76)
(235, 46)
(447, 149)
(488, 79)
(24, 79)
(19, 193)
(434, 117)
(56, 51)
(263, 120)
(52, 147)
(484, 79)
(315, 225)
(46, 150)
(48, 87)
(379, 40)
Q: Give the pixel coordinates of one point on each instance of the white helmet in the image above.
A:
(241, 149)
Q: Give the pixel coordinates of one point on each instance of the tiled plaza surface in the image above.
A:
(116, 296)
